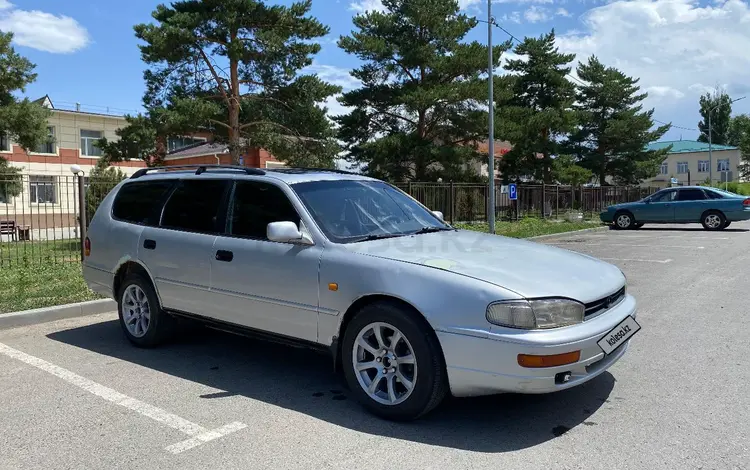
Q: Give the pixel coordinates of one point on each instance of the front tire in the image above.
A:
(624, 221)
(713, 220)
(393, 363)
(142, 320)
(727, 224)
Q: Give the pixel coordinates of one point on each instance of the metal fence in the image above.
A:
(463, 202)
(39, 214)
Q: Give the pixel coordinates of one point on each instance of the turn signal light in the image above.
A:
(87, 247)
(531, 361)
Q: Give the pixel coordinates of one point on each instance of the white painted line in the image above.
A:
(205, 437)
(636, 246)
(661, 261)
(660, 237)
(144, 409)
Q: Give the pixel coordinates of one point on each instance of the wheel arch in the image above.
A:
(128, 267)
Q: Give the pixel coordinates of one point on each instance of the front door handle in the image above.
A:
(224, 255)
(149, 244)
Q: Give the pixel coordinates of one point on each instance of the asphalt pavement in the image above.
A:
(75, 394)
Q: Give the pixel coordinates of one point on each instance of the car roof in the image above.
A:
(287, 175)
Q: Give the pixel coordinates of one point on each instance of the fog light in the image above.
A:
(532, 361)
(562, 378)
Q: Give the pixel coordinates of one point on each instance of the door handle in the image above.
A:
(149, 244)
(224, 255)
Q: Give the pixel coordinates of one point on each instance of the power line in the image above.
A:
(676, 127)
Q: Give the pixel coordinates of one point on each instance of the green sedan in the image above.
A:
(712, 207)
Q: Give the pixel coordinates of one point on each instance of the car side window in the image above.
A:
(257, 204)
(195, 206)
(141, 202)
(666, 196)
(691, 195)
(713, 195)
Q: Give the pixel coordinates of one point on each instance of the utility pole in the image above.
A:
(491, 146)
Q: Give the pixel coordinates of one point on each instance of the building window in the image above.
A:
(703, 166)
(4, 143)
(49, 145)
(682, 167)
(722, 165)
(42, 189)
(664, 168)
(88, 143)
(178, 142)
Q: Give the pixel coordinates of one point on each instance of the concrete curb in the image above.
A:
(564, 234)
(58, 312)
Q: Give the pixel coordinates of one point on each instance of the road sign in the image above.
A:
(512, 195)
(504, 189)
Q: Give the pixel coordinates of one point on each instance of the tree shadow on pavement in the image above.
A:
(303, 381)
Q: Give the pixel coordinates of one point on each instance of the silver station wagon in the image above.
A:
(410, 308)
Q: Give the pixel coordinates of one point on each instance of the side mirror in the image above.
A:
(439, 215)
(286, 232)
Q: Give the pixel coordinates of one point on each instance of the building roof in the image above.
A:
(200, 149)
(687, 146)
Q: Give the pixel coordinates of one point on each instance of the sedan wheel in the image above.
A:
(623, 221)
(714, 221)
(385, 363)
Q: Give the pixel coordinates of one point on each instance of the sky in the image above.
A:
(86, 51)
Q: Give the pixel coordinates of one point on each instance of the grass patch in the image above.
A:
(531, 227)
(40, 274)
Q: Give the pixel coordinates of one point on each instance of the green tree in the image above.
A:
(418, 113)
(232, 67)
(613, 130)
(565, 170)
(21, 120)
(102, 179)
(739, 136)
(721, 104)
(143, 138)
(539, 111)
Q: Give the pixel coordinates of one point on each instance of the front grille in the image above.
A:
(597, 307)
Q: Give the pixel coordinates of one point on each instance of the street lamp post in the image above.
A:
(710, 155)
(491, 144)
(76, 170)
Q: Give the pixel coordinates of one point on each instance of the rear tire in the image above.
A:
(638, 225)
(713, 220)
(415, 380)
(727, 224)
(624, 220)
(142, 320)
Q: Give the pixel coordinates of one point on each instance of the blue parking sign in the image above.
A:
(512, 195)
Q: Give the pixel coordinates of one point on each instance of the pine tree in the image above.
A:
(419, 112)
(539, 111)
(233, 67)
(613, 129)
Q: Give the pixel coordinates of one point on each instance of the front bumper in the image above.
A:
(487, 364)
(606, 217)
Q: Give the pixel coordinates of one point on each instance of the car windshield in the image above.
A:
(350, 211)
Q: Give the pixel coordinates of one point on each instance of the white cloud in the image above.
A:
(535, 14)
(514, 17)
(689, 46)
(367, 5)
(43, 31)
(561, 12)
(333, 74)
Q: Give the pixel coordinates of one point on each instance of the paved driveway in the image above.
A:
(75, 394)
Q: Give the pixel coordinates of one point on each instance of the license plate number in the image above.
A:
(619, 335)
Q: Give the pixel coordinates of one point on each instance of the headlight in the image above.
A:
(535, 314)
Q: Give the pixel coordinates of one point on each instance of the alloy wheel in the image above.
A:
(136, 311)
(384, 363)
(713, 221)
(623, 221)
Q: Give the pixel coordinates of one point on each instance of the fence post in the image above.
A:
(408, 188)
(557, 201)
(82, 213)
(544, 200)
(452, 201)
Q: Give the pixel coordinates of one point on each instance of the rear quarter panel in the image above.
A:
(733, 209)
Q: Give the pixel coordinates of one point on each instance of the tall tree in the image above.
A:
(21, 120)
(539, 111)
(719, 104)
(739, 136)
(565, 170)
(613, 130)
(418, 114)
(233, 67)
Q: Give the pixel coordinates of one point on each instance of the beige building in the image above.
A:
(689, 162)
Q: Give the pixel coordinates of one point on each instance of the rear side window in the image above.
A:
(195, 206)
(691, 195)
(713, 195)
(141, 202)
(256, 205)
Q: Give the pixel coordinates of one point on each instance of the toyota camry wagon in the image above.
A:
(410, 308)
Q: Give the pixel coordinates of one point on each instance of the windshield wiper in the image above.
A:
(379, 236)
(432, 230)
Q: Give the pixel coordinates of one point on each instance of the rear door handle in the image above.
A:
(224, 255)
(149, 244)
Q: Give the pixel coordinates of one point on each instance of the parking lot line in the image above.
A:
(661, 261)
(199, 433)
(635, 245)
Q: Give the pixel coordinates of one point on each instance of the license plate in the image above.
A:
(619, 335)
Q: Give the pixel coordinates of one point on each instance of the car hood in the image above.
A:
(625, 205)
(527, 268)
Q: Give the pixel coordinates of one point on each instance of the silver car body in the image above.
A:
(448, 277)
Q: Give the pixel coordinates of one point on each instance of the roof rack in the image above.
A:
(304, 169)
(198, 169)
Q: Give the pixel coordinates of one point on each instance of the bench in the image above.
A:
(8, 227)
